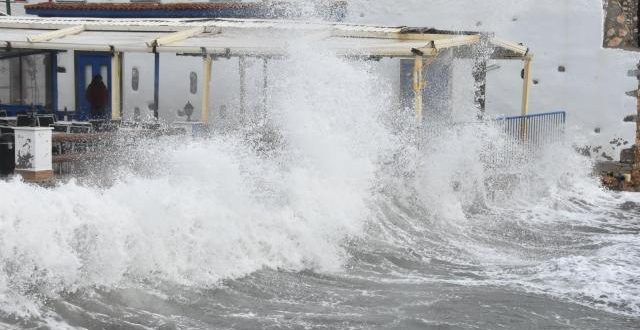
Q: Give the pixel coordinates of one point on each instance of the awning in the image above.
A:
(238, 37)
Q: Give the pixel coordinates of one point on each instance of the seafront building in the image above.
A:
(166, 86)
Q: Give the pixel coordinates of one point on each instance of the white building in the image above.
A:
(571, 72)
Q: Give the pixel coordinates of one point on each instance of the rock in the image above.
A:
(615, 42)
(627, 156)
(610, 182)
(623, 33)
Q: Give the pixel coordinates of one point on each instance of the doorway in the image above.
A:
(88, 65)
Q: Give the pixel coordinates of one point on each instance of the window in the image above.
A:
(135, 79)
(193, 79)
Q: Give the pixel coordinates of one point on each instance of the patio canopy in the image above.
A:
(239, 37)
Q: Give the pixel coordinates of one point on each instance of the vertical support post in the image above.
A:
(156, 84)
(53, 57)
(206, 83)
(635, 172)
(21, 77)
(480, 85)
(242, 64)
(418, 87)
(8, 3)
(526, 85)
(116, 86)
(265, 83)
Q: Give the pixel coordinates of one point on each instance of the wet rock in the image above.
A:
(629, 205)
(615, 42)
(627, 156)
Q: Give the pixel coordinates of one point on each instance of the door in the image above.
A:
(88, 65)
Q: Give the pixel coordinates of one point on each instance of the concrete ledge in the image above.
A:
(35, 176)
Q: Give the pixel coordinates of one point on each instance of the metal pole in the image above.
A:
(8, 2)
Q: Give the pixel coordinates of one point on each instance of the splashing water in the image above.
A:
(330, 209)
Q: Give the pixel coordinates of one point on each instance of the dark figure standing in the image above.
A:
(98, 96)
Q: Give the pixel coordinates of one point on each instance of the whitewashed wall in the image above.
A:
(559, 32)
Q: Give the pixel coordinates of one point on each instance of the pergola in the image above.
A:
(225, 38)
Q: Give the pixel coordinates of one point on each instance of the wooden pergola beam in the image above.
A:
(177, 36)
(456, 41)
(512, 46)
(56, 34)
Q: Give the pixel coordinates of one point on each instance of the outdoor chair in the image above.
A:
(45, 120)
(24, 121)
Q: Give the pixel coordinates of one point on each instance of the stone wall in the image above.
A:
(621, 23)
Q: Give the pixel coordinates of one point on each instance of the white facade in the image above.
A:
(565, 33)
(560, 33)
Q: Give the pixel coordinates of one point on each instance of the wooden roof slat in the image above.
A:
(234, 37)
(178, 36)
(56, 34)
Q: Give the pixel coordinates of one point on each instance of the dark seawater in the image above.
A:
(330, 213)
(573, 266)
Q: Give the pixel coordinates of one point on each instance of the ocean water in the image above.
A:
(329, 209)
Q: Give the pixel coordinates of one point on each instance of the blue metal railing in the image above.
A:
(535, 130)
